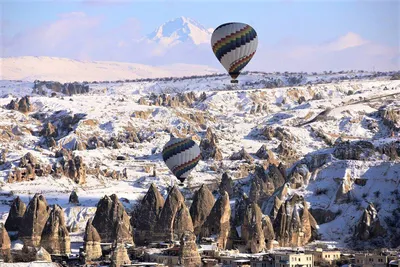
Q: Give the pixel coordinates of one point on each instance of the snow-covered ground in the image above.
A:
(112, 105)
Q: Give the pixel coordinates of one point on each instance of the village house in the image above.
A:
(370, 260)
(262, 260)
(168, 257)
(324, 257)
(293, 259)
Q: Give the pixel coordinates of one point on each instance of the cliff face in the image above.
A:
(111, 221)
(147, 215)
(55, 236)
(203, 201)
(34, 220)
(218, 221)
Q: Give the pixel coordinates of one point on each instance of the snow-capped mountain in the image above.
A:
(181, 30)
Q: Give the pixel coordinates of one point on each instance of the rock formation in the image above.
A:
(264, 153)
(258, 190)
(218, 222)
(164, 229)
(182, 222)
(119, 256)
(390, 116)
(268, 231)
(226, 185)
(34, 220)
(147, 214)
(76, 170)
(32, 253)
(111, 220)
(49, 130)
(369, 225)
(252, 230)
(55, 236)
(73, 198)
(92, 242)
(275, 176)
(23, 105)
(240, 209)
(203, 202)
(15, 215)
(188, 254)
(359, 150)
(208, 146)
(299, 177)
(242, 155)
(294, 225)
(5, 245)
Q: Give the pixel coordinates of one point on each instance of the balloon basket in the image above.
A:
(181, 184)
(234, 81)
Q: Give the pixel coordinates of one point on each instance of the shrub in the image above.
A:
(321, 191)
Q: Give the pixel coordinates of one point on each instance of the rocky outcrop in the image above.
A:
(111, 221)
(29, 168)
(218, 222)
(23, 105)
(55, 236)
(344, 193)
(147, 215)
(268, 231)
(203, 202)
(242, 155)
(359, 150)
(32, 253)
(323, 215)
(240, 209)
(369, 225)
(164, 229)
(182, 222)
(252, 230)
(15, 215)
(258, 190)
(226, 185)
(299, 177)
(76, 170)
(3, 156)
(208, 146)
(119, 256)
(390, 116)
(34, 220)
(73, 198)
(266, 154)
(92, 242)
(49, 130)
(188, 254)
(294, 225)
(5, 245)
(56, 87)
(286, 152)
(275, 176)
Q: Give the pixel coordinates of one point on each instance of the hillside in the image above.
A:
(68, 70)
(303, 127)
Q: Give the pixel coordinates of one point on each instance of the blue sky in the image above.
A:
(288, 22)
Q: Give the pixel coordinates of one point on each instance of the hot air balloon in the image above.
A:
(234, 44)
(181, 156)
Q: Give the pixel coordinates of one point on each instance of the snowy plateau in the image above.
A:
(302, 120)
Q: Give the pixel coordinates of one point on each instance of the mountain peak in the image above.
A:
(179, 30)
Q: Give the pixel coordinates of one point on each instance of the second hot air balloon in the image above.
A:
(181, 156)
(234, 44)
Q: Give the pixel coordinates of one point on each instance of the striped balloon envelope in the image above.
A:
(234, 44)
(181, 156)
